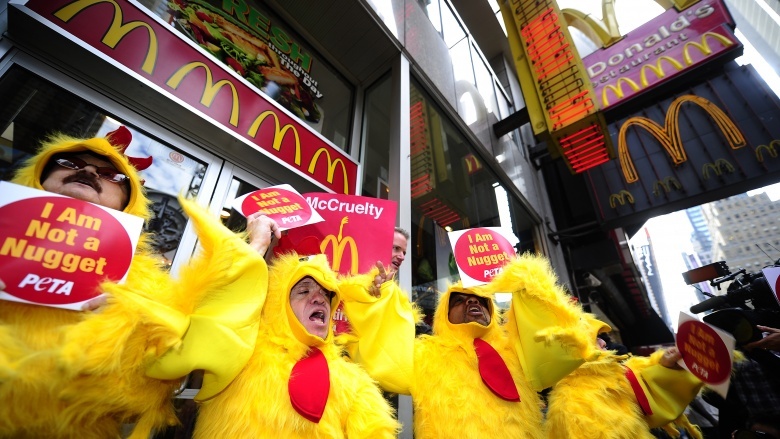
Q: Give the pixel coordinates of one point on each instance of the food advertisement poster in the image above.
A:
(56, 250)
(246, 39)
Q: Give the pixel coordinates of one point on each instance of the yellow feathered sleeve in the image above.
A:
(667, 391)
(550, 333)
(227, 282)
(384, 331)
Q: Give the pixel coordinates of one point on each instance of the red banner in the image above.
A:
(56, 250)
(127, 35)
(356, 231)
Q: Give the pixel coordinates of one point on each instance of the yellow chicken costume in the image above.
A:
(471, 380)
(609, 399)
(295, 385)
(46, 389)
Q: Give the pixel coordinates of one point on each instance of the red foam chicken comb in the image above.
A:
(307, 246)
(121, 138)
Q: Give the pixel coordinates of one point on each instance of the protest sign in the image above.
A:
(356, 231)
(482, 252)
(281, 203)
(706, 351)
(56, 250)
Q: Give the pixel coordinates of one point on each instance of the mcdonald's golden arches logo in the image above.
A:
(669, 135)
(117, 31)
(339, 245)
(621, 198)
(720, 166)
(666, 184)
(210, 89)
(703, 46)
(770, 149)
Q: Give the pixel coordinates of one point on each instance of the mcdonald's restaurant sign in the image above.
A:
(128, 35)
(660, 50)
(717, 139)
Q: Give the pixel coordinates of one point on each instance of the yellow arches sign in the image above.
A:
(719, 138)
(125, 33)
(669, 135)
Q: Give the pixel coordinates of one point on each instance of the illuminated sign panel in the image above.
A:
(556, 88)
(126, 35)
(714, 140)
(661, 50)
(561, 83)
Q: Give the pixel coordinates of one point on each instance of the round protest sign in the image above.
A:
(480, 253)
(57, 250)
(704, 352)
(287, 208)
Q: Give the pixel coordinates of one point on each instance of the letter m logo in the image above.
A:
(117, 30)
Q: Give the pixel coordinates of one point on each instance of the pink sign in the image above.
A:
(281, 203)
(356, 231)
(56, 250)
(481, 253)
(660, 50)
(125, 34)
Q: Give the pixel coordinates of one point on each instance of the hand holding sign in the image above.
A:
(262, 230)
(56, 250)
(281, 203)
(706, 351)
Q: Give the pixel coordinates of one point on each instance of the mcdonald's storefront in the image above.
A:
(233, 96)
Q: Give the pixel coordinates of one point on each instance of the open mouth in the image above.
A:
(318, 317)
(475, 310)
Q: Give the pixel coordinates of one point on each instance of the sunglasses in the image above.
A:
(747, 434)
(108, 174)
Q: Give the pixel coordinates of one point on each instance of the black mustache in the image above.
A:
(83, 175)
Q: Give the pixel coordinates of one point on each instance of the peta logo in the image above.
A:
(46, 284)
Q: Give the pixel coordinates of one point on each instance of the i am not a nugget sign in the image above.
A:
(56, 250)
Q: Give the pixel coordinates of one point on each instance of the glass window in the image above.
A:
(431, 8)
(453, 31)
(451, 190)
(375, 139)
(35, 108)
(230, 217)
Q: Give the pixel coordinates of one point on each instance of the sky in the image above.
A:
(671, 234)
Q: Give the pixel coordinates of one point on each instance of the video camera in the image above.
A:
(749, 301)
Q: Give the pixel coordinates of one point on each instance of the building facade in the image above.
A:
(391, 99)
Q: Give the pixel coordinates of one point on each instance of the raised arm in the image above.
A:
(662, 389)
(382, 338)
(550, 333)
(225, 285)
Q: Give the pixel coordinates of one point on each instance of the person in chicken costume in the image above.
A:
(296, 384)
(616, 397)
(43, 392)
(474, 377)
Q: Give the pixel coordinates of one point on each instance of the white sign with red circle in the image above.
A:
(482, 252)
(772, 275)
(56, 250)
(281, 203)
(707, 352)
